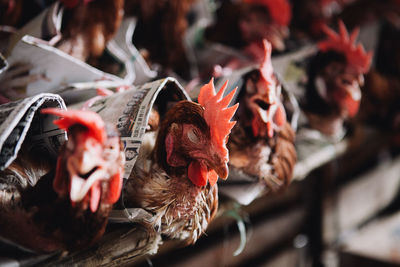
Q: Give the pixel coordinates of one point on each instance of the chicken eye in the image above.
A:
(192, 136)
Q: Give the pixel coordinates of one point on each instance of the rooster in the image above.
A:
(88, 25)
(335, 76)
(174, 179)
(262, 142)
(66, 208)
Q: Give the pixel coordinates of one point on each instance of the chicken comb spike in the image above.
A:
(217, 114)
(87, 118)
(266, 69)
(344, 43)
(280, 10)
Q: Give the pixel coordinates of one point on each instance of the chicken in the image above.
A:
(66, 208)
(175, 178)
(262, 142)
(335, 75)
(243, 23)
(88, 25)
(166, 22)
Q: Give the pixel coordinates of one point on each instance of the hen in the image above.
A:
(67, 208)
(165, 21)
(88, 25)
(262, 142)
(243, 23)
(335, 75)
(174, 179)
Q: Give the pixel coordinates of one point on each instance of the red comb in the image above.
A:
(266, 69)
(87, 118)
(74, 3)
(217, 114)
(344, 43)
(280, 10)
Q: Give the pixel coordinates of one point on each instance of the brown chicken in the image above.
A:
(174, 179)
(243, 23)
(67, 208)
(160, 30)
(88, 25)
(335, 76)
(262, 142)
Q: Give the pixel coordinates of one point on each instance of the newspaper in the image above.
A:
(17, 118)
(121, 47)
(36, 67)
(45, 26)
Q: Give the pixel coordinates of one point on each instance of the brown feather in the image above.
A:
(272, 159)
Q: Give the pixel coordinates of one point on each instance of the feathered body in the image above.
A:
(42, 209)
(175, 175)
(270, 159)
(181, 210)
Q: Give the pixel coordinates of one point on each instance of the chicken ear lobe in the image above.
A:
(115, 187)
(173, 159)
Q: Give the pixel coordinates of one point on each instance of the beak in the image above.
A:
(84, 173)
(222, 170)
(80, 187)
(354, 91)
(220, 166)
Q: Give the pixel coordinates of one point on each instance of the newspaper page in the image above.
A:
(17, 118)
(45, 26)
(36, 67)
